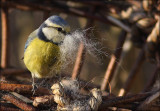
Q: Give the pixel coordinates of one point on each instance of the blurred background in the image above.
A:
(22, 23)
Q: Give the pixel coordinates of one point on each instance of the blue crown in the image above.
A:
(57, 20)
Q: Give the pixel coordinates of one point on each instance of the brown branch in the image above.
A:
(26, 89)
(132, 75)
(150, 103)
(152, 80)
(118, 23)
(114, 61)
(5, 30)
(27, 6)
(126, 102)
(12, 71)
(153, 37)
(16, 101)
(115, 22)
(8, 107)
(79, 61)
(128, 99)
(81, 53)
(56, 7)
(152, 51)
(22, 89)
(128, 106)
(152, 45)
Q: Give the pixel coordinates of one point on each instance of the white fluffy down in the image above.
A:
(69, 48)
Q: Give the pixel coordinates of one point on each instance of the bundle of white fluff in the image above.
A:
(70, 45)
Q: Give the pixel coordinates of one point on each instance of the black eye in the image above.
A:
(59, 29)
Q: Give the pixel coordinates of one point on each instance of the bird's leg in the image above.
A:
(34, 87)
(43, 83)
(58, 76)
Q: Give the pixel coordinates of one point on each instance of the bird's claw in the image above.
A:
(34, 88)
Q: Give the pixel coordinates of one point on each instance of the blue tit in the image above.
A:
(42, 51)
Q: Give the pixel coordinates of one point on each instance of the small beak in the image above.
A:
(67, 33)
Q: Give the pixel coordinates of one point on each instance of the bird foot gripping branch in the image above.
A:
(68, 97)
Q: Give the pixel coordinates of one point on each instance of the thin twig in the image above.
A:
(5, 30)
(116, 22)
(119, 23)
(114, 61)
(79, 61)
(132, 75)
(81, 53)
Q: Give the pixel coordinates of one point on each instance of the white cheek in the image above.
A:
(58, 38)
(49, 33)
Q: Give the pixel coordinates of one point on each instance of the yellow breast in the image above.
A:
(41, 57)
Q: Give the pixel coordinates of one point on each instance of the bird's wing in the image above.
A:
(32, 36)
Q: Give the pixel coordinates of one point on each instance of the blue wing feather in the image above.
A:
(32, 36)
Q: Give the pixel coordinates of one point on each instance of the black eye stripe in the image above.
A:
(58, 29)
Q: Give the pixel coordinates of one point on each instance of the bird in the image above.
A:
(42, 48)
